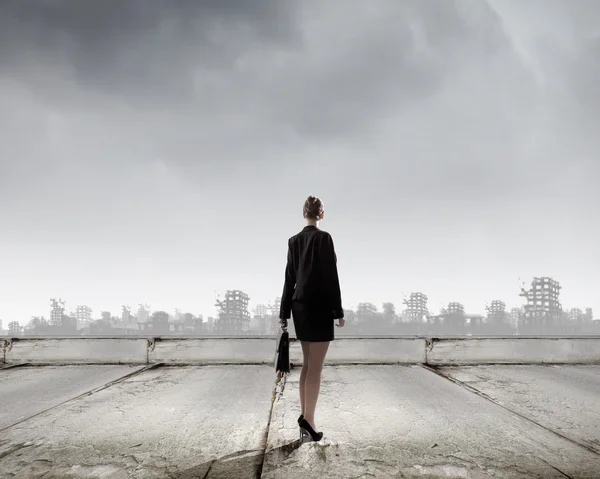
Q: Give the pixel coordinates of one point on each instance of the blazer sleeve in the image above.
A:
(289, 285)
(330, 274)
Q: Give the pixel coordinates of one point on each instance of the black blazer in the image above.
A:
(311, 275)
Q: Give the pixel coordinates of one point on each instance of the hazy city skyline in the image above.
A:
(161, 152)
(400, 308)
(541, 313)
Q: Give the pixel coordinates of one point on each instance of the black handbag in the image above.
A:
(282, 351)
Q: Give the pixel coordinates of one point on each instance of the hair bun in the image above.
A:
(313, 208)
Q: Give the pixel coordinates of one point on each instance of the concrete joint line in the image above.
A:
(17, 365)
(429, 342)
(87, 393)
(150, 344)
(435, 370)
(8, 344)
(564, 474)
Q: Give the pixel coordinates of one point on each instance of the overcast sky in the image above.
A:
(159, 151)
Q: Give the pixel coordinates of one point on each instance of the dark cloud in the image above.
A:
(209, 86)
(138, 48)
(282, 59)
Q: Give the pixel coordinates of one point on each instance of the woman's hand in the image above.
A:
(341, 322)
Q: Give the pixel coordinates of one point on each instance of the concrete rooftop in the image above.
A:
(234, 421)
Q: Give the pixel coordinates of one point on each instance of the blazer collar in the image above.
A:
(310, 228)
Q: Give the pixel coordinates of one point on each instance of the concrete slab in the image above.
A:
(169, 422)
(25, 391)
(376, 350)
(513, 350)
(405, 421)
(564, 398)
(78, 350)
(213, 351)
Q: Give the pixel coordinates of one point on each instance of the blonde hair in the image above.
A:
(313, 208)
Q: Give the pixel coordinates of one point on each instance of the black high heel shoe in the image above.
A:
(302, 433)
(307, 430)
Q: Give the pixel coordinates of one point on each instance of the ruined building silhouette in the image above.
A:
(416, 307)
(234, 317)
(543, 311)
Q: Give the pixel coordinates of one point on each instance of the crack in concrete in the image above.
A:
(481, 394)
(209, 468)
(281, 378)
(85, 394)
(14, 448)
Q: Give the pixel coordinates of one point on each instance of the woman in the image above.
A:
(311, 295)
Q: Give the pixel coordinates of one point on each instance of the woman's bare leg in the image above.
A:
(312, 385)
(303, 375)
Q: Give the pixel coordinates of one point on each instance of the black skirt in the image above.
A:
(311, 324)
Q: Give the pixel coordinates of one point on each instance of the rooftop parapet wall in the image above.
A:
(76, 350)
(261, 350)
(520, 350)
(240, 351)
